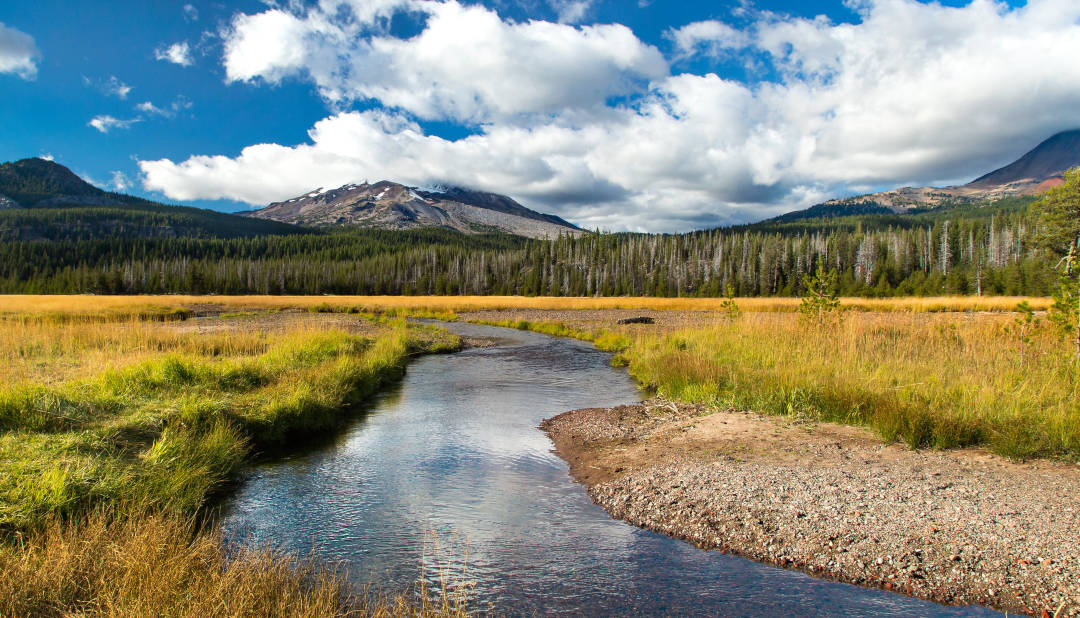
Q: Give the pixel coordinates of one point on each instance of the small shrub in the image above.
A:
(820, 303)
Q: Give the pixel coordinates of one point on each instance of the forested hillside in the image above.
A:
(44, 201)
(970, 249)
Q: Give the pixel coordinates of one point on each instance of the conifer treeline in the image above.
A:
(958, 255)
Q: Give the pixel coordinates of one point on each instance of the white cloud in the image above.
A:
(120, 182)
(190, 12)
(47, 156)
(269, 45)
(147, 107)
(106, 123)
(18, 53)
(571, 11)
(170, 111)
(707, 37)
(177, 53)
(913, 93)
(498, 69)
(117, 88)
(110, 87)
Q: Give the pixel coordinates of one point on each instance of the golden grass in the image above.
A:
(163, 417)
(49, 352)
(160, 565)
(76, 304)
(114, 431)
(929, 379)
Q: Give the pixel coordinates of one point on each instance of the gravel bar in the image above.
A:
(955, 527)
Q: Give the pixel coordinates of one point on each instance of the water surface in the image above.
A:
(448, 470)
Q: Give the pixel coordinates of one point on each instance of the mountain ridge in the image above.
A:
(1031, 174)
(390, 205)
(44, 200)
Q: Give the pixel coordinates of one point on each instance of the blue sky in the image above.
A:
(621, 114)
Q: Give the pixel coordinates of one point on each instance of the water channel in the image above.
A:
(448, 470)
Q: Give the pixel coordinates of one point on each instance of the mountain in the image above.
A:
(389, 205)
(43, 200)
(37, 182)
(1031, 174)
(1049, 160)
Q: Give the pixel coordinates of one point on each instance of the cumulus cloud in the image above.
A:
(177, 53)
(912, 93)
(707, 37)
(499, 69)
(190, 12)
(105, 123)
(18, 53)
(269, 45)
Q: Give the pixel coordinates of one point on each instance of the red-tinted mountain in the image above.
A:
(1031, 174)
(1046, 161)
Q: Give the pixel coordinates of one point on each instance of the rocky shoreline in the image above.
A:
(955, 527)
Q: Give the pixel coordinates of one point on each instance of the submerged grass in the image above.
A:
(935, 381)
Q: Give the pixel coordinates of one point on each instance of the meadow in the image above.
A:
(928, 381)
(943, 379)
(121, 417)
(166, 307)
(118, 427)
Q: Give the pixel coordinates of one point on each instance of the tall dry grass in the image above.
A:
(114, 431)
(930, 380)
(173, 305)
(50, 352)
(151, 564)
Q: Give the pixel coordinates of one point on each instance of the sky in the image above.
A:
(641, 115)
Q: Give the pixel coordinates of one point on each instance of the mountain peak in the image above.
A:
(29, 182)
(390, 205)
(1049, 159)
(1038, 170)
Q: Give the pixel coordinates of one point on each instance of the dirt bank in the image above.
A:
(960, 527)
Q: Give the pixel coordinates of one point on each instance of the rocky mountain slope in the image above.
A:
(389, 205)
(1031, 174)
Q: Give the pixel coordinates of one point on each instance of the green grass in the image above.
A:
(930, 381)
(164, 433)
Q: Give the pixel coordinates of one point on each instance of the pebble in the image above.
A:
(895, 522)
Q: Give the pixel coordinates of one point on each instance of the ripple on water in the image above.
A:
(450, 471)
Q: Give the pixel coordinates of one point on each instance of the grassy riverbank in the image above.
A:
(940, 380)
(144, 421)
(932, 372)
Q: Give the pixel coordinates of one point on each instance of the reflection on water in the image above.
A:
(452, 458)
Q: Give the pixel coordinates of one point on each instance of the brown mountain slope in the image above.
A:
(389, 205)
(1031, 174)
